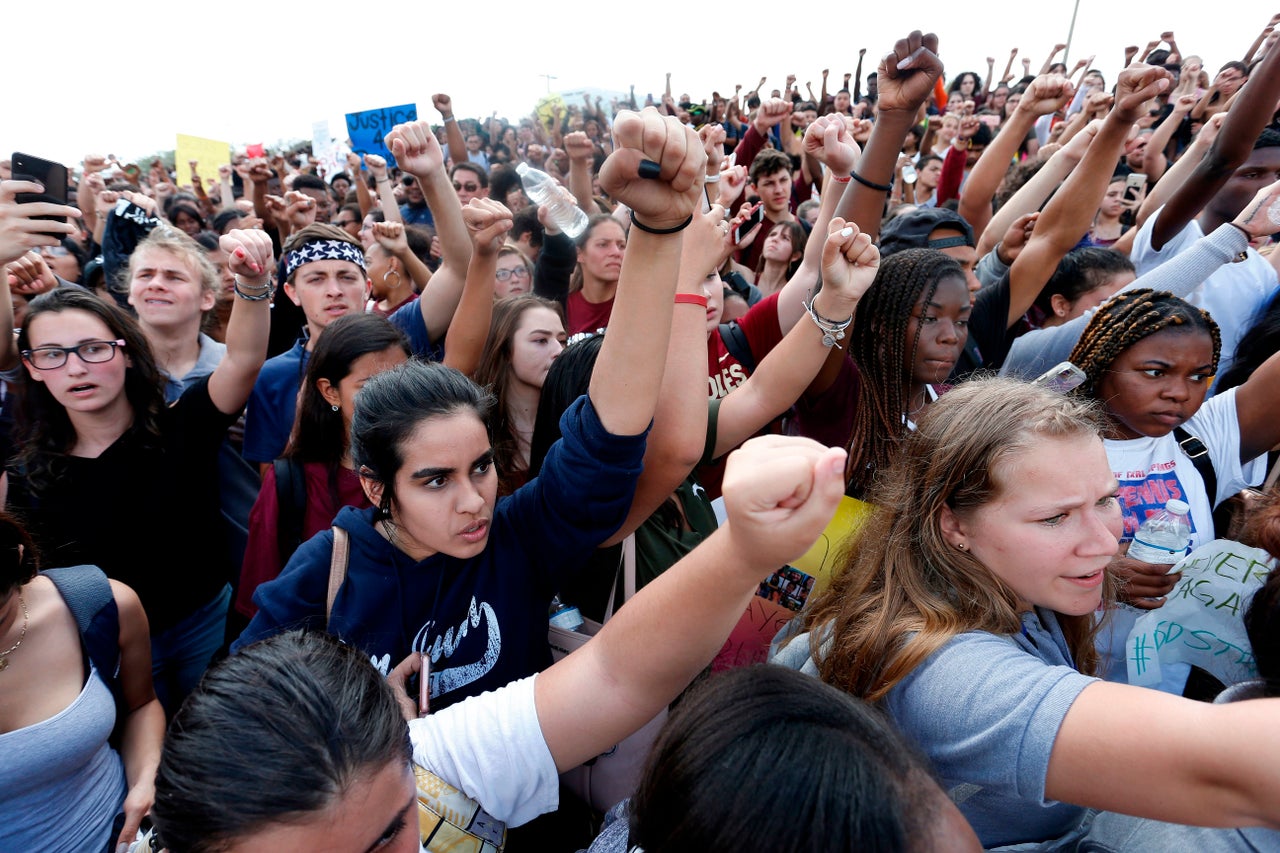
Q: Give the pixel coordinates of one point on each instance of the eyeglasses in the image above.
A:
(507, 275)
(90, 352)
(457, 187)
(407, 180)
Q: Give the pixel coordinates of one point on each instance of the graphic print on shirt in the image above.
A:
(474, 659)
(1144, 493)
(731, 375)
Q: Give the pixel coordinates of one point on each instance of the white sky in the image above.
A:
(210, 70)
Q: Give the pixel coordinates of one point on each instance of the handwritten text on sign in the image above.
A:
(1201, 622)
(367, 129)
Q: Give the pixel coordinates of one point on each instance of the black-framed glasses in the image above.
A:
(90, 352)
(507, 275)
(459, 187)
(407, 180)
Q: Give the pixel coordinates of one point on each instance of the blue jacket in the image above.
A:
(482, 621)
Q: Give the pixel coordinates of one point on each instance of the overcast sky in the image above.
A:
(266, 71)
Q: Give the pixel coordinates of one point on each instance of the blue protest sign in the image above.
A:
(366, 129)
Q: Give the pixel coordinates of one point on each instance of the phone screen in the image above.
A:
(751, 222)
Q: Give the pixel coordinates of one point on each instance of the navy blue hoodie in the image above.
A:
(483, 621)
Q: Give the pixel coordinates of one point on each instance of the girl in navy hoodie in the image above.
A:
(439, 566)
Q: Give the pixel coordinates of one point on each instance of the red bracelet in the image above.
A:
(691, 299)
(839, 180)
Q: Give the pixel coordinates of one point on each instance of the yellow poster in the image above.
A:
(546, 108)
(819, 560)
(209, 153)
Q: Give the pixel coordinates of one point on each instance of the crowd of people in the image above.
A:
(299, 466)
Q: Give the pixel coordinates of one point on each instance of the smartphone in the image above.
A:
(1133, 185)
(751, 222)
(52, 175)
(1062, 377)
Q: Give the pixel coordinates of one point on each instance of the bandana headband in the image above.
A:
(323, 250)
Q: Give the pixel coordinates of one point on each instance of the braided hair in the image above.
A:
(1127, 318)
(884, 359)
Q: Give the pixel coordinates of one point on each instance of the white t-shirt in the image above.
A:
(491, 748)
(1233, 296)
(1153, 470)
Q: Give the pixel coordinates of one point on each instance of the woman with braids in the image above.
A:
(966, 610)
(1149, 358)
(907, 335)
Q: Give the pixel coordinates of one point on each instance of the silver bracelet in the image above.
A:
(832, 330)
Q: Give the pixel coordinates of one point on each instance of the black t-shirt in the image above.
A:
(989, 334)
(146, 511)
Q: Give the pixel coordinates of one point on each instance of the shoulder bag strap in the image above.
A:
(1199, 456)
(337, 569)
(628, 576)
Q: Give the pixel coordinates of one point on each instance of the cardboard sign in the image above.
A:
(1201, 623)
(209, 154)
(366, 129)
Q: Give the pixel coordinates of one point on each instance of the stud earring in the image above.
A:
(335, 408)
(963, 547)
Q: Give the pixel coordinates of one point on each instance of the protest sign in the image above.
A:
(366, 129)
(1201, 622)
(209, 153)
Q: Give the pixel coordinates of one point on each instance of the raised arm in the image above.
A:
(1253, 108)
(377, 164)
(363, 197)
(1067, 216)
(779, 494)
(453, 133)
(418, 153)
(488, 221)
(391, 237)
(1160, 194)
(581, 158)
(1031, 196)
(1045, 95)
(828, 141)
(250, 260)
(1154, 161)
(625, 381)
(849, 264)
(905, 78)
(1048, 62)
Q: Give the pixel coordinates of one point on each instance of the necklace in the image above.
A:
(26, 620)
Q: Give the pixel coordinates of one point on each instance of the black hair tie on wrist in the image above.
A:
(683, 225)
(884, 188)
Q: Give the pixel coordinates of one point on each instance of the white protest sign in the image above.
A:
(1202, 622)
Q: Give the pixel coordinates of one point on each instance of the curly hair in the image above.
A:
(878, 346)
(1127, 318)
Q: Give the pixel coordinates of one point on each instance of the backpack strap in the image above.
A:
(337, 569)
(735, 341)
(291, 498)
(88, 595)
(1195, 450)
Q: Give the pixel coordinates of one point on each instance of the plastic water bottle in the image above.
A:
(1164, 536)
(565, 616)
(543, 191)
(909, 173)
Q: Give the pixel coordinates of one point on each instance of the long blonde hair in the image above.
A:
(902, 591)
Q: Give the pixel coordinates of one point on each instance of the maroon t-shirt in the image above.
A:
(584, 316)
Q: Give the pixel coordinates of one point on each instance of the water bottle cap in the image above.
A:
(1178, 507)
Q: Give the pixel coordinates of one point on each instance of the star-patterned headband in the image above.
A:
(322, 250)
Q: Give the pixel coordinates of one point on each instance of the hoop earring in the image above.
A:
(335, 408)
(391, 272)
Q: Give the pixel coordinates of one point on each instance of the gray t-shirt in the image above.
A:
(986, 709)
